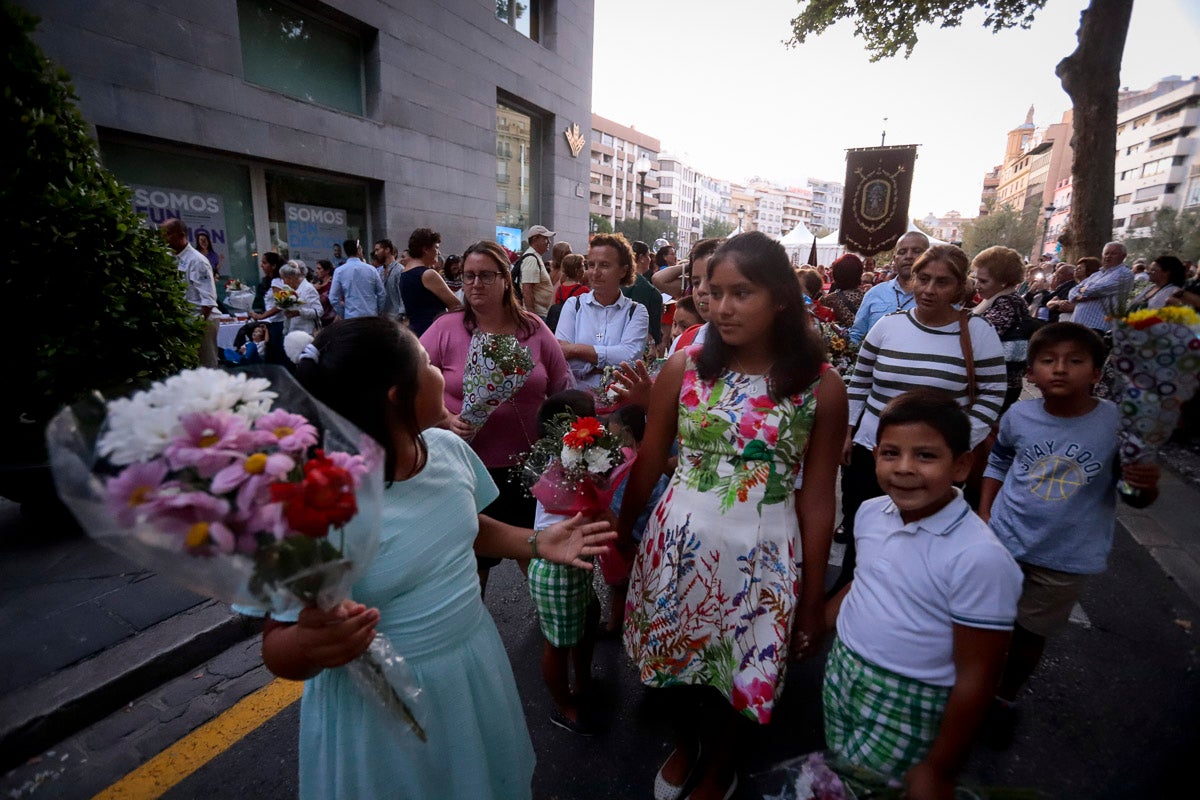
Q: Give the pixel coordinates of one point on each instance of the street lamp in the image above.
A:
(1049, 212)
(741, 216)
(641, 167)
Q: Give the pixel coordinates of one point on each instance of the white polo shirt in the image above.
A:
(913, 582)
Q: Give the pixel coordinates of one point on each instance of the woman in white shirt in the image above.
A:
(603, 327)
(303, 317)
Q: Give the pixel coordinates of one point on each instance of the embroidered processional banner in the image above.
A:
(875, 205)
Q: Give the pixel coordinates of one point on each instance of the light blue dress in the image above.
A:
(426, 589)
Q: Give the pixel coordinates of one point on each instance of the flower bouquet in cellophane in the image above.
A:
(575, 469)
(240, 487)
(285, 297)
(497, 367)
(1156, 357)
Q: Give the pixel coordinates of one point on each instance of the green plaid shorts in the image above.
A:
(876, 718)
(561, 595)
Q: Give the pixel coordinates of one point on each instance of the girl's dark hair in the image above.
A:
(360, 361)
(936, 408)
(660, 258)
(326, 263)
(811, 283)
(799, 349)
(634, 420)
(525, 322)
(1176, 272)
(421, 240)
(847, 272)
(568, 401)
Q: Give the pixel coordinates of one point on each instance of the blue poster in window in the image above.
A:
(312, 232)
(509, 237)
(202, 212)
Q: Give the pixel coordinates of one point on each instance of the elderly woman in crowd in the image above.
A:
(846, 291)
(998, 271)
(305, 316)
(1167, 276)
(603, 327)
(1084, 267)
(923, 347)
(490, 306)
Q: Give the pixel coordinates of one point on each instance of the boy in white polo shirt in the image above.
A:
(923, 628)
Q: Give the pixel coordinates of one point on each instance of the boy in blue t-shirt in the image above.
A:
(1050, 492)
(923, 627)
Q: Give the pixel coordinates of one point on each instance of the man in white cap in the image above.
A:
(537, 289)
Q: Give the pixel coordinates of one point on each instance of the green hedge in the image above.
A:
(97, 297)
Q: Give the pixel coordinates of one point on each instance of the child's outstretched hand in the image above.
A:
(338, 636)
(1143, 477)
(632, 383)
(923, 782)
(569, 541)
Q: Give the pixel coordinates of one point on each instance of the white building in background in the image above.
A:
(1158, 153)
(797, 208)
(615, 186)
(767, 212)
(677, 201)
(713, 199)
(826, 203)
(948, 227)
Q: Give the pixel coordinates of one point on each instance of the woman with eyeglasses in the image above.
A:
(490, 306)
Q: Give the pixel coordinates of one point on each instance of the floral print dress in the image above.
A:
(715, 581)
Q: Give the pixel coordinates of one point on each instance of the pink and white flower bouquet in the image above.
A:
(204, 479)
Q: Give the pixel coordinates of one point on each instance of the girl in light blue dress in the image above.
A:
(421, 591)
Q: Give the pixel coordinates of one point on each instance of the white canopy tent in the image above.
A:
(799, 242)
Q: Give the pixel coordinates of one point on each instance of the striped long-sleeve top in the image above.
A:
(900, 354)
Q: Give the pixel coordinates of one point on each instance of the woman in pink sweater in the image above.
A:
(490, 306)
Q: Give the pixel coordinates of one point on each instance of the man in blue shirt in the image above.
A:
(357, 290)
(1101, 293)
(893, 295)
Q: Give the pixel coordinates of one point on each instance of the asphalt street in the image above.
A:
(1112, 714)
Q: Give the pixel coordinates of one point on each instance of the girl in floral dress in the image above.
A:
(717, 601)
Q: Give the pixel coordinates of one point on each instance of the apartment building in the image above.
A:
(826, 203)
(615, 185)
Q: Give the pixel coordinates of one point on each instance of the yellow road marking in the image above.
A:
(158, 775)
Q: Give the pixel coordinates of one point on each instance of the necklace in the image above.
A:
(901, 302)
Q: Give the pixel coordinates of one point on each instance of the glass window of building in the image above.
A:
(518, 178)
(524, 16)
(309, 216)
(295, 52)
(211, 196)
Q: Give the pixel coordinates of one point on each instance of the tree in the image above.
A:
(717, 228)
(600, 223)
(1172, 232)
(110, 314)
(1002, 225)
(654, 228)
(1090, 76)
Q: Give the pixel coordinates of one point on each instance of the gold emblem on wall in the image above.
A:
(575, 139)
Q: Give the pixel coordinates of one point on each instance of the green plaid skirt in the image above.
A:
(876, 718)
(561, 595)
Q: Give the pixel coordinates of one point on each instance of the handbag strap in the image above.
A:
(964, 339)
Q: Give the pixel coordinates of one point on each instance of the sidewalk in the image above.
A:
(86, 633)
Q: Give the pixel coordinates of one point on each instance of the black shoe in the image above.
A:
(580, 726)
(999, 725)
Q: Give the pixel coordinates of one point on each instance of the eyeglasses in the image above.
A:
(486, 278)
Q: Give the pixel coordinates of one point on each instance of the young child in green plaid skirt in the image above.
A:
(923, 628)
(567, 607)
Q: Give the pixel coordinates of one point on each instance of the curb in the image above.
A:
(38, 716)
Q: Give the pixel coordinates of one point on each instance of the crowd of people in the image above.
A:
(966, 544)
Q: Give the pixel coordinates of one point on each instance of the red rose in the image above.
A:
(325, 497)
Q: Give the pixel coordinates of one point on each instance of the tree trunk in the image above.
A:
(1091, 77)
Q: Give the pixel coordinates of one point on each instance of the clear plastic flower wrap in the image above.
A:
(240, 487)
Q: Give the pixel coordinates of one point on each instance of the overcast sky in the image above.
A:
(713, 81)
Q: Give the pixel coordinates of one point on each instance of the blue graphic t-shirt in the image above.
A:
(1057, 508)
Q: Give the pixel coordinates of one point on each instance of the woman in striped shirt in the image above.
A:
(918, 348)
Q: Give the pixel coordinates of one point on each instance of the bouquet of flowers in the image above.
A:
(497, 367)
(575, 469)
(607, 399)
(234, 285)
(821, 776)
(843, 351)
(201, 479)
(285, 297)
(1156, 358)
